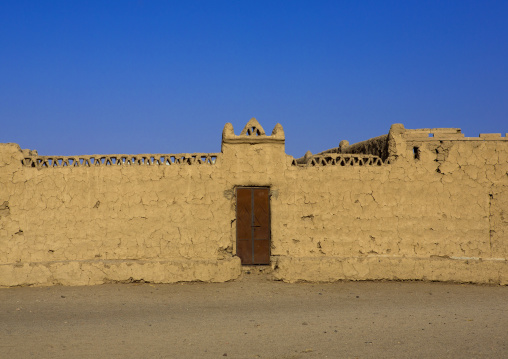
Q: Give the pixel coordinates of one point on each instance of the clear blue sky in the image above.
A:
(98, 77)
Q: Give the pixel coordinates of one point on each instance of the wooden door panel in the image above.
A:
(244, 250)
(261, 213)
(261, 251)
(244, 213)
(253, 225)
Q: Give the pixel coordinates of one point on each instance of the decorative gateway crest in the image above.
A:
(253, 133)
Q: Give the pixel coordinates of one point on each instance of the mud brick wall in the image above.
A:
(425, 216)
(88, 224)
(436, 208)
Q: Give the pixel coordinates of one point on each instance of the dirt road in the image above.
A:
(256, 318)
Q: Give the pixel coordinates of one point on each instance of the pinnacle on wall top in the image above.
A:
(253, 133)
(253, 128)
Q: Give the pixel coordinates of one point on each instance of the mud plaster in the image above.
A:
(426, 204)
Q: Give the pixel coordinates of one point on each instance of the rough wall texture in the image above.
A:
(436, 208)
(437, 212)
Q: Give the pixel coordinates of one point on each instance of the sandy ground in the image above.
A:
(256, 318)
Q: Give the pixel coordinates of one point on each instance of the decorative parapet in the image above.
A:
(120, 160)
(339, 159)
(253, 133)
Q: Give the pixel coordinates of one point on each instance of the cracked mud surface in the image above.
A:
(255, 318)
(435, 208)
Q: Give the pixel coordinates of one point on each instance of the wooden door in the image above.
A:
(253, 225)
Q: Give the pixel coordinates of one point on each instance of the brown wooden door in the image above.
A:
(253, 225)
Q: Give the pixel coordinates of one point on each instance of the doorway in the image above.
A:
(253, 225)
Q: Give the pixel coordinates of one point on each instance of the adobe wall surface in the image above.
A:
(443, 216)
(434, 209)
(88, 225)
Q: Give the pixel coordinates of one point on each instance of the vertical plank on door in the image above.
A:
(261, 226)
(243, 225)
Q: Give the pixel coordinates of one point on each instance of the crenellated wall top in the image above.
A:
(376, 151)
(36, 161)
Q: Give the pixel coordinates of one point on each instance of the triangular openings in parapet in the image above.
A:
(253, 128)
(253, 131)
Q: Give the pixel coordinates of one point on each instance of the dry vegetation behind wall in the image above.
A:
(377, 146)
